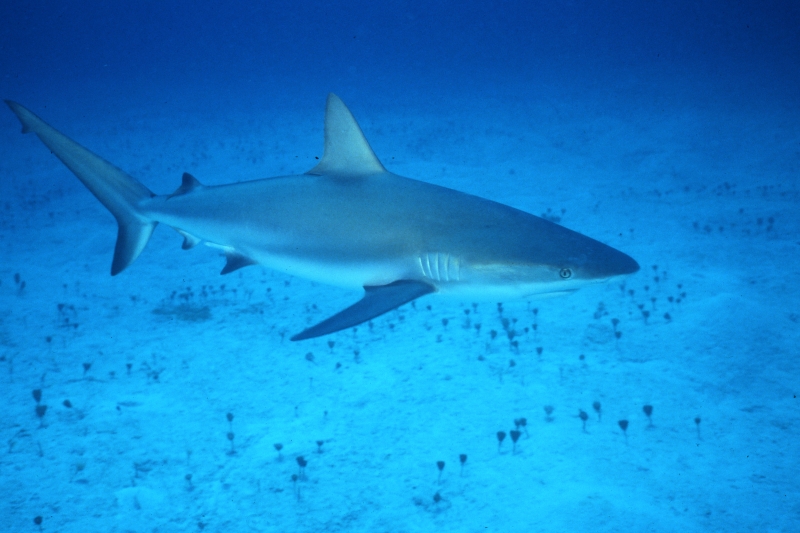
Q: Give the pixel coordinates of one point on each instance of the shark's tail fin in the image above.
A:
(119, 192)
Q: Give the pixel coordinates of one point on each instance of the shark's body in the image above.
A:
(351, 223)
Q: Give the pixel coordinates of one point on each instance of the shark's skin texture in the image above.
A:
(349, 222)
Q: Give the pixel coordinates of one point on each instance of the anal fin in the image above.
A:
(377, 300)
(235, 261)
(189, 240)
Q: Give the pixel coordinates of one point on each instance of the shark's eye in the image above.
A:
(565, 273)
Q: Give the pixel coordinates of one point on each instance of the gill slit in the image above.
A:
(439, 266)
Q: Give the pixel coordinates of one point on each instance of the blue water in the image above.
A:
(669, 130)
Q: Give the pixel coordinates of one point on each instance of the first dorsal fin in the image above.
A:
(347, 151)
(188, 184)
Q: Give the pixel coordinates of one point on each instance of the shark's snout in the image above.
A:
(623, 264)
(607, 262)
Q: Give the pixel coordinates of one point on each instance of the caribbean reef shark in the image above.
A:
(351, 223)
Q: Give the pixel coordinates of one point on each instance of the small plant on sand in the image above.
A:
(648, 411)
(623, 425)
(41, 408)
(77, 469)
(301, 463)
(584, 417)
(501, 436)
(230, 435)
(515, 434)
(617, 332)
(598, 409)
(522, 423)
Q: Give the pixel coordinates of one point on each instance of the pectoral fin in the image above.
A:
(377, 300)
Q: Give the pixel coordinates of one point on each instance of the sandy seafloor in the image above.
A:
(698, 182)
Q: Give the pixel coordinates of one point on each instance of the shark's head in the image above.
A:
(551, 261)
(573, 261)
(584, 262)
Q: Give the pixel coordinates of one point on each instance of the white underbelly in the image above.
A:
(350, 275)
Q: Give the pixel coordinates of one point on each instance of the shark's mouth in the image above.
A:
(551, 294)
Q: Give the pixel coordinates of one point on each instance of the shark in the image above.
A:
(351, 223)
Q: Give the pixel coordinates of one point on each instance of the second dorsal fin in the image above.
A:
(188, 184)
(347, 152)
